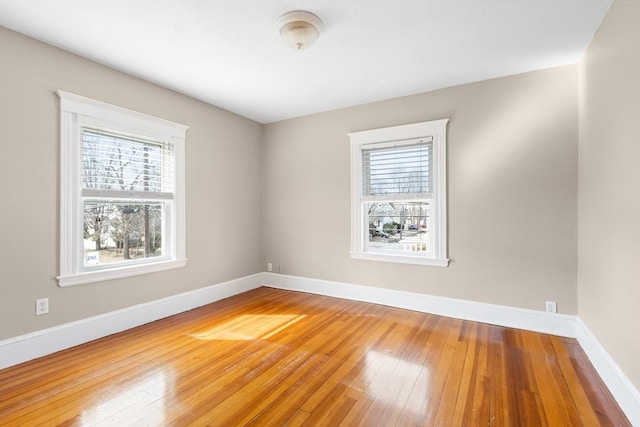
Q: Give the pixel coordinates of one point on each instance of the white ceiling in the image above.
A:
(228, 53)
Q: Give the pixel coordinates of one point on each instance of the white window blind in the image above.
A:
(126, 166)
(401, 169)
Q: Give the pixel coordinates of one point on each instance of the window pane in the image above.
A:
(399, 226)
(118, 162)
(117, 231)
(397, 170)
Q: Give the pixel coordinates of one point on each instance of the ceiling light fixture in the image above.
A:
(299, 29)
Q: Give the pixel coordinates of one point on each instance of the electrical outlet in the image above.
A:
(277, 269)
(551, 307)
(269, 266)
(42, 306)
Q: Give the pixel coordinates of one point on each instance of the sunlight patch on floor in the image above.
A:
(250, 327)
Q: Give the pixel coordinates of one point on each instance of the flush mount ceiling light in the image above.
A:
(299, 29)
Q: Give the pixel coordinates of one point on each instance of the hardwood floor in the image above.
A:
(273, 358)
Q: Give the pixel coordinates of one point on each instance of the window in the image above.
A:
(398, 194)
(122, 192)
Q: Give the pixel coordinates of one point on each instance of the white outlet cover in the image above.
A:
(42, 306)
(551, 307)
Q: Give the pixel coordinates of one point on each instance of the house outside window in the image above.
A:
(122, 192)
(398, 193)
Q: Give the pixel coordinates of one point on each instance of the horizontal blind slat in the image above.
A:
(404, 197)
(129, 195)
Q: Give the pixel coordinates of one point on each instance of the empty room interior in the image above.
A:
(329, 213)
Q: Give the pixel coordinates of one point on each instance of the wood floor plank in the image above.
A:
(270, 357)
(578, 395)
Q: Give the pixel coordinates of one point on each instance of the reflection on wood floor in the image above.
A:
(272, 358)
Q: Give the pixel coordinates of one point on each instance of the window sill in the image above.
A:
(118, 273)
(400, 259)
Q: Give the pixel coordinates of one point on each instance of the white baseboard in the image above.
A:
(621, 388)
(520, 318)
(37, 344)
(40, 343)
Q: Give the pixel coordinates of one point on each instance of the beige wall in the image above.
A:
(609, 188)
(223, 160)
(512, 159)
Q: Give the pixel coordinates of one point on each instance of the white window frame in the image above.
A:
(436, 129)
(78, 111)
